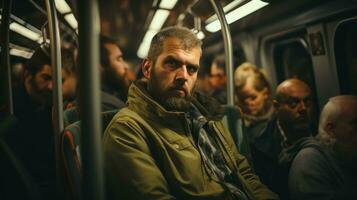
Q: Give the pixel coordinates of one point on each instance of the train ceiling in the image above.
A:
(127, 21)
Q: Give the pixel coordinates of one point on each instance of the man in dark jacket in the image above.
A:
(32, 139)
(284, 135)
(328, 171)
(114, 75)
(166, 144)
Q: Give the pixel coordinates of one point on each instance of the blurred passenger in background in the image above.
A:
(218, 80)
(114, 75)
(17, 74)
(285, 134)
(32, 139)
(252, 94)
(328, 171)
(203, 78)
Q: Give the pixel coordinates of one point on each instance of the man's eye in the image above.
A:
(46, 78)
(171, 63)
(192, 69)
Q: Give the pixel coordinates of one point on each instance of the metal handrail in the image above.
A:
(57, 114)
(227, 39)
(89, 101)
(5, 69)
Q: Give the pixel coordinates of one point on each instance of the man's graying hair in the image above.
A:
(187, 39)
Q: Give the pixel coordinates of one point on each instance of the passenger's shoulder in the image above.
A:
(310, 157)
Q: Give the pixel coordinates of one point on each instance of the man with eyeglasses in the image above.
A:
(285, 134)
(218, 81)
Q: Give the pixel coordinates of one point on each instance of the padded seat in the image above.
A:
(234, 122)
(71, 154)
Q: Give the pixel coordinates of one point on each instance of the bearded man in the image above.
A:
(166, 144)
(114, 75)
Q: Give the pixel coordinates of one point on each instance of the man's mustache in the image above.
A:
(180, 87)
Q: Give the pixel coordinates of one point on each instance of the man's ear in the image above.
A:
(146, 67)
(330, 130)
(27, 75)
(276, 104)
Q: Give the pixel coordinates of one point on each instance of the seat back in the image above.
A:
(15, 180)
(234, 122)
(70, 116)
(71, 154)
(70, 145)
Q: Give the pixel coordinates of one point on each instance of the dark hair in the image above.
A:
(42, 57)
(220, 63)
(205, 66)
(69, 63)
(104, 53)
(187, 38)
(39, 58)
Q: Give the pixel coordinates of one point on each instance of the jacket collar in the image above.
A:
(140, 101)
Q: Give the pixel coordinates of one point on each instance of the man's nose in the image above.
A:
(126, 65)
(182, 73)
(50, 86)
(302, 106)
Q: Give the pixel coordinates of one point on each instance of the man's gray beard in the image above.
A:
(177, 103)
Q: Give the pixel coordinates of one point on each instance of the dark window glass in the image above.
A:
(292, 59)
(346, 56)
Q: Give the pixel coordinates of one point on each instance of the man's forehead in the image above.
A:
(296, 92)
(112, 48)
(173, 48)
(176, 43)
(46, 69)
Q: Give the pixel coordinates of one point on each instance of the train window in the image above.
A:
(292, 59)
(345, 45)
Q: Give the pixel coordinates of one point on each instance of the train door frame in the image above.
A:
(312, 20)
(332, 27)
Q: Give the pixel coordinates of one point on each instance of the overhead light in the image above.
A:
(149, 35)
(62, 6)
(167, 4)
(21, 53)
(159, 19)
(237, 14)
(40, 41)
(200, 35)
(145, 44)
(226, 9)
(143, 49)
(71, 21)
(20, 29)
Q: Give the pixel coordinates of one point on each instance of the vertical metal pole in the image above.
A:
(57, 114)
(6, 104)
(92, 168)
(227, 39)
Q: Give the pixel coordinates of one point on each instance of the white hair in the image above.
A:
(331, 114)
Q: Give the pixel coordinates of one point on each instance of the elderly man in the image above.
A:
(328, 171)
(167, 145)
(274, 149)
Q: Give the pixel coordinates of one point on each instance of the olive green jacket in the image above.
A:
(150, 154)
